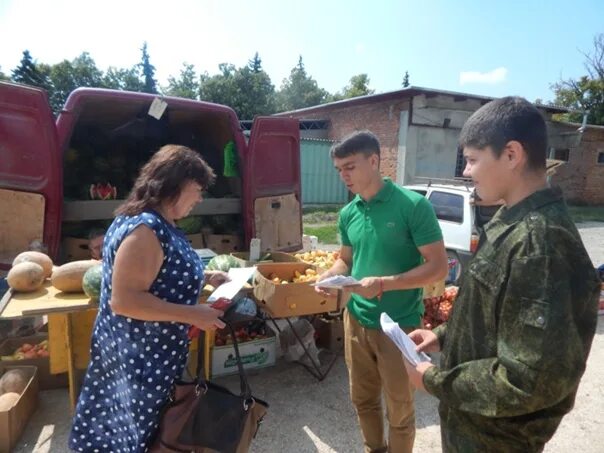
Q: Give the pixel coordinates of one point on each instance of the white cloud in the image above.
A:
(490, 78)
(360, 48)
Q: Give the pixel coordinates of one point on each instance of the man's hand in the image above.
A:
(326, 292)
(216, 278)
(369, 287)
(416, 373)
(426, 340)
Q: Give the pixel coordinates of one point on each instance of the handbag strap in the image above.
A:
(246, 391)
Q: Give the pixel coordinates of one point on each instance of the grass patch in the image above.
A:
(320, 214)
(327, 234)
(587, 213)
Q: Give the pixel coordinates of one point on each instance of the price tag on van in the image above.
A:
(157, 109)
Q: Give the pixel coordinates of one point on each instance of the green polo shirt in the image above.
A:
(385, 234)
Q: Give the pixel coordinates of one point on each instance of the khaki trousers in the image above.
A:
(374, 365)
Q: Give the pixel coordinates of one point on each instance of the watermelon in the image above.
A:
(223, 263)
(91, 282)
(190, 225)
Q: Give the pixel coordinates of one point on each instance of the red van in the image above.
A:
(48, 166)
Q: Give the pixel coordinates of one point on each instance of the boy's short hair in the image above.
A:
(506, 119)
(363, 142)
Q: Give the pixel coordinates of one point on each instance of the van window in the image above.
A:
(447, 206)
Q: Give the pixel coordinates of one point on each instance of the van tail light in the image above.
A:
(474, 242)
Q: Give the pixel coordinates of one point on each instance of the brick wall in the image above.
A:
(582, 178)
(381, 118)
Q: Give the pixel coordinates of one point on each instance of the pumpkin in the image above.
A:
(68, 277)
(25, 277)
(35, 257)
(8, 400)
(13, 381)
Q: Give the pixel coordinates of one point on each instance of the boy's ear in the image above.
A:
(514, 154)
(375, 160)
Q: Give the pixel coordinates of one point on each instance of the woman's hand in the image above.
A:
(205, 317)
(216, 278)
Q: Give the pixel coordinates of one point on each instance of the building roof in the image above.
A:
(407, 93)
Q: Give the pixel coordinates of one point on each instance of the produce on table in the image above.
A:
(102, 192)
(309, 276)
(68, 277)
(35, 257)
(8, 400)
(26, 277)
(190, 225)
(223, 263)
(319, 258)
(91, 282)
(254, 331)
(439, 308)
(29, 351)
(13, 381)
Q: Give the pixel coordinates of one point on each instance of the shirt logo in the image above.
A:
(390, 224)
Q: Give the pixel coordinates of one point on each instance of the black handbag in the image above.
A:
(203, 417)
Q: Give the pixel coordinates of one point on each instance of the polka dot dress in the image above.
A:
(134, 363)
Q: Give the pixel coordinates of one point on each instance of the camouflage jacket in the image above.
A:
(517, 341)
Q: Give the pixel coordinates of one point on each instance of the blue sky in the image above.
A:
(505, 47)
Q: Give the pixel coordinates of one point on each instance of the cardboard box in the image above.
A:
(74, 249)
(254, 354)
(330, 333)
(13, 421)
(294, 299)
(265, 257)
(223, 243)
(196, 240)
(46, 380)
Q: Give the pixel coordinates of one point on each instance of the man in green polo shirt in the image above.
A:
(392, 243)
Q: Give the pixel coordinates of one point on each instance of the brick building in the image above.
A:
(418, 129)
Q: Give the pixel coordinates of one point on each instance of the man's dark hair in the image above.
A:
(506, 119)
(363, 142)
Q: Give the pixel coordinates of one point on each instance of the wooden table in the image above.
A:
(71, 318)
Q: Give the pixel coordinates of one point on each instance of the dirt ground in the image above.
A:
(310, 416)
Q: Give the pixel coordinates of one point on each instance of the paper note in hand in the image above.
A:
(402, 341)
(228, 290)
(337, 281)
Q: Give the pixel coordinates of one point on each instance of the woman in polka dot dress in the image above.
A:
(149, 293)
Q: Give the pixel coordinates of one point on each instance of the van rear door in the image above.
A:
(272, 190)
(31, 188)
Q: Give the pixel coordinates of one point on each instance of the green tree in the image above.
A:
(66, 76)
(358, 86)
(406, 79)
(300, 90)
(219, 88)
(586, 94)
(247, 90)
(148, 71)
(186, 86)
(123, 79)
(29, 73)
(3, 76)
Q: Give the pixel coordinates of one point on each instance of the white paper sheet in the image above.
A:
(337, 281)
(402, 341)
(239, 276)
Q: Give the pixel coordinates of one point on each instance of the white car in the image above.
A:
(460, 219)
